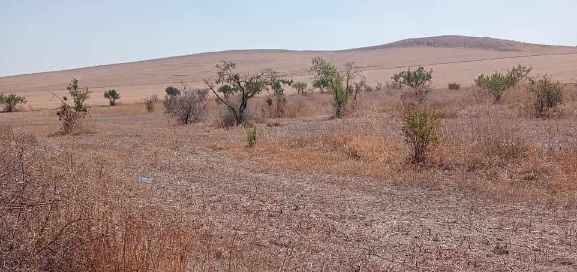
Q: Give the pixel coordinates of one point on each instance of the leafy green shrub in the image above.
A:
(420, 130)
(225, 90)
(547, 95)
(269, 101)
(11, 101)
(419, 80)
(454, 86)
(170, 98)
(70, 115)
(112, 96)
(251, 137)
(150, 103)
(341, 84)
(498, 83)
(172, 91)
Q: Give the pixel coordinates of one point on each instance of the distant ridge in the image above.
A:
(455, 41)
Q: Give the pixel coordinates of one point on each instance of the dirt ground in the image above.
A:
(267, 217)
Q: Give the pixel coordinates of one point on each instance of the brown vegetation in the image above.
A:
(497, 188)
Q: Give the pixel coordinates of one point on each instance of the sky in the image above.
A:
(48, 35)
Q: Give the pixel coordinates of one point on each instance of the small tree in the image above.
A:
(419, 80)
(170, 98)
(300, 87)
(172, 91)
(420, 129)
(498, 83)
(150, 103)
(548, 95)
(340, 83)
(190, 106)
(359, 87)
(245, 85)
(70, 115)
(320, 84)
(112, 96)
(454, 86)
(11, 101)
(280, 99)
(251, 137)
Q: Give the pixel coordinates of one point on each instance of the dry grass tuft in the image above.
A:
(64, 211)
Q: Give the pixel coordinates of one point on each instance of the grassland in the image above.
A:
(315, 193)
(134, 191)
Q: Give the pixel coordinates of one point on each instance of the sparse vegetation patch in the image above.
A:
(497, 83)
(11, 101)
(112, 96)
(70, 115)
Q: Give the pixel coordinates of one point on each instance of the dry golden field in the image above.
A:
(138, 80)
(498, 193)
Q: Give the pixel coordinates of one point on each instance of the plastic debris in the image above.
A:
(144, 180)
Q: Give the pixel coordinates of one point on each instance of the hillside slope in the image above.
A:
(455, 41)
(138, 80)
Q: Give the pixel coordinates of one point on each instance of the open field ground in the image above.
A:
(134, 191)
(314, 193)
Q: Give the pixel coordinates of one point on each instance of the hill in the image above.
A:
(453, 58)
(455, 41)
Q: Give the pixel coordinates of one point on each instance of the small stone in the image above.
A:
(144, 180)
(500, 250)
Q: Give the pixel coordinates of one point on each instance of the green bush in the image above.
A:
(454, 86)
(251, 137)
(419, 80)
(112, 96)
(70, 115)
(420, 130)
(547, 95)
(498, 83)
(11, 101)
(172, 91)
(269, 101)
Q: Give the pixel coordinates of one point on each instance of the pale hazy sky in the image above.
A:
(46, 35)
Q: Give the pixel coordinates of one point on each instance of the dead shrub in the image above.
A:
(225, 119)
(189, 106)
(150, 103)
(454, 86)
(62, 211)
(254, 114)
